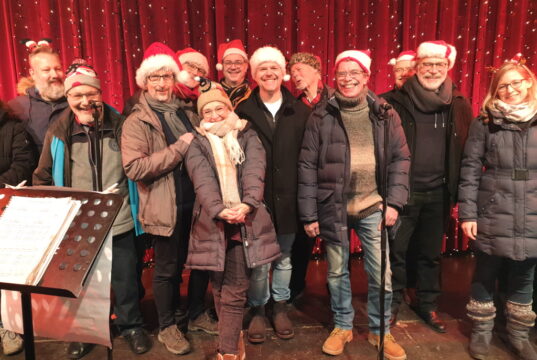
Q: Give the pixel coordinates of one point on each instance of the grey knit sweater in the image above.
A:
(363, 193)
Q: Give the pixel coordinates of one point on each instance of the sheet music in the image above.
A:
(30, 232)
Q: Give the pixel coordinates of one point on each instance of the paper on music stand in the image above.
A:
(84, 319)
(32, 228)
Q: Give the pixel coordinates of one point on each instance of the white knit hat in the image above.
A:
(438, 49)
(362, 57)
(268, 53)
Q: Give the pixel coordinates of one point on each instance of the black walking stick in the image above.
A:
(383, 231)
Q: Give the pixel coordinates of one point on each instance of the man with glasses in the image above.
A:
(279, 120)
(403, 67)
(155, 138)
(70, 158)
(193, 64)
(435, 117)
(339, 189)
(233, 62)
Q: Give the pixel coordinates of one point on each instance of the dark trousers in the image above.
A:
(198, 280)
(300, 257)
(423, 221)
(229, 289)
(520, 276)
(125, 281)
(170, 257)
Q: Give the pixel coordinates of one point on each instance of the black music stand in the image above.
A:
(69, 268)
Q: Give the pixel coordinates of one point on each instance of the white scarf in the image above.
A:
(515, 113)
(227, 154)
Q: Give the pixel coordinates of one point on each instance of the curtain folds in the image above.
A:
(112, 34)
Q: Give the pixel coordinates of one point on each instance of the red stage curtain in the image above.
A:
(112, 34)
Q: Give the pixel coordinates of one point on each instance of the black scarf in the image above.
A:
(429, 101)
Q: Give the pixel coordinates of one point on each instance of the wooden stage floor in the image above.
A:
(312, 318)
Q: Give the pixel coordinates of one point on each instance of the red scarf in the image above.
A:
(184, 92)
(316, 99)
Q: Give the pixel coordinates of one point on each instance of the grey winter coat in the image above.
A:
(36, 113)
(207, 246)
(324, 166)
(498, 187)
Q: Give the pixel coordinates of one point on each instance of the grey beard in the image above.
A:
(51, 92)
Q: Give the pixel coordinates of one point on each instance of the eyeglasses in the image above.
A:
(430, 65)
(515, 84)
(156, 78)
(399, 70)
(90, 96)
(353, 74)
(219, 111)
(235, 63)
(193, 68)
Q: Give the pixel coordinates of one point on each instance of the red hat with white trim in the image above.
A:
(156, 57)
(438, 49)
(362, 57)
(232, 47)
(409, 55)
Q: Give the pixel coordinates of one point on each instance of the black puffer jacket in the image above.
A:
(497, 158)
(324, 166)
(17, 158)
(459, 118)
(207, 247)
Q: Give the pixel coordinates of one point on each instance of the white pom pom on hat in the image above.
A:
(232, 47)
(268, 53)
(408, 55)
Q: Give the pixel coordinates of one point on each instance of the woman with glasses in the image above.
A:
(498, 206)
(232, 231)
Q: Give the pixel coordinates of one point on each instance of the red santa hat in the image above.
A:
(438, 49)
(362, 57)
(193, 56)
(157, 56)
(408, 55)
(232, 47)
(268, 53)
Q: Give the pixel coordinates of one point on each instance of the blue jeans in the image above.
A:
(258, 293)
(367, 230)
(339, 284)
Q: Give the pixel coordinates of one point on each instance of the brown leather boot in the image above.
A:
(257, 327)
(282, 325)
(392, 350)
(335, 343)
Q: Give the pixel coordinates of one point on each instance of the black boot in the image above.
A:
(482, 314)
(257, 327)
(520, 319)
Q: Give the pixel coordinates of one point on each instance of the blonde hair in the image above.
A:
(492, 93)
(42, 50)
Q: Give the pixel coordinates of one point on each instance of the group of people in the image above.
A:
(230, 181)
